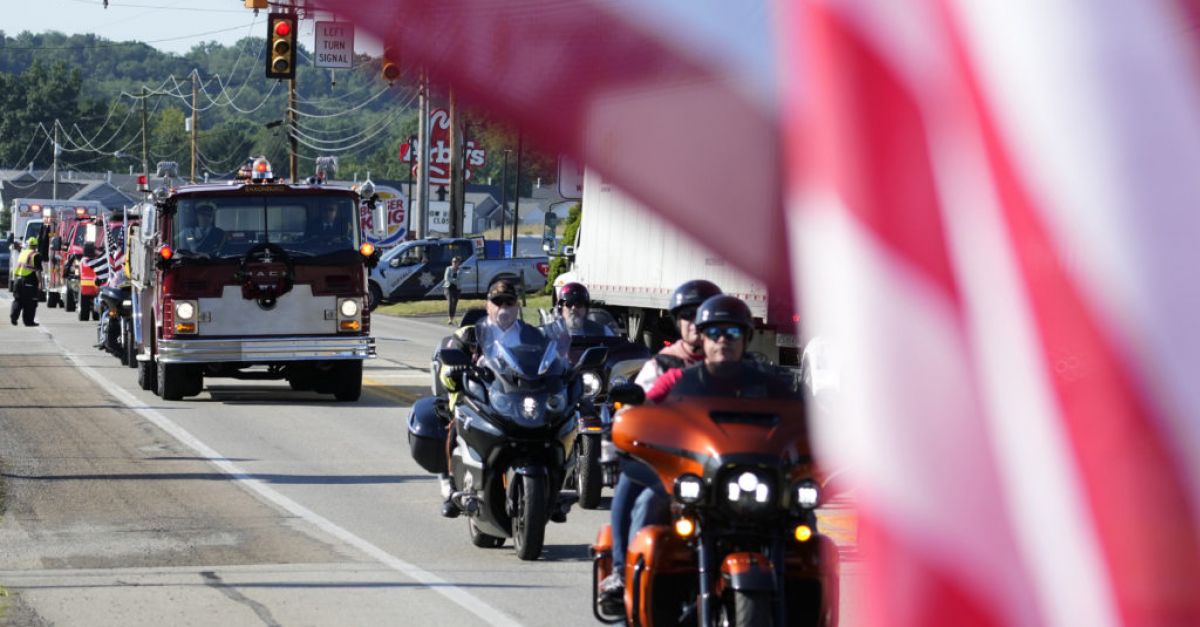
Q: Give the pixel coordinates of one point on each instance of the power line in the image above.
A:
(116, 44)
(345, 111)
(33, 138)
(122, 5)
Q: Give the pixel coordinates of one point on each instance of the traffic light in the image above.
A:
(281, 46)
(390, 71)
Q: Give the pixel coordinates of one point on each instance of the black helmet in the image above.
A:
(574, 294)
(692, 293)
(722, 309)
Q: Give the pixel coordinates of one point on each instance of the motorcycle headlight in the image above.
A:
(591, 384)
(689, 489)
(748, 488)
(807, 494)
(557, 402)
(529, 408)
(185, 310)
(348, 307)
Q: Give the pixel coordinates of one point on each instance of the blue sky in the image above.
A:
(169, 25)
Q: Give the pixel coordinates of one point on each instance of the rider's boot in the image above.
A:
(449, 509)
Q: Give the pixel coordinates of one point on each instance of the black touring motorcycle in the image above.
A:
(595, 458)
(515, 425)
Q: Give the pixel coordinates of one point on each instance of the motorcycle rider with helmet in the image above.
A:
(574, 302)
(631, 502)
(725, 325)
(688, 349)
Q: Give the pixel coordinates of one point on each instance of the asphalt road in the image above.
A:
(252, 504)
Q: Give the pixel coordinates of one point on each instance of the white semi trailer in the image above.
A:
(631, 260)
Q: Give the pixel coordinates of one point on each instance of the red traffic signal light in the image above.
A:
(390, 70)
(281, 46)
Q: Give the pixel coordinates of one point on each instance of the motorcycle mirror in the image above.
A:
(593, 357)
(454, 357)
(627, 394)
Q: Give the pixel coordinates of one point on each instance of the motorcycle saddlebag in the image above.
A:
(427, 434)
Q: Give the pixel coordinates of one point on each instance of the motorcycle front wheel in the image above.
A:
(588, 475)
(529, 519)
(747, 609)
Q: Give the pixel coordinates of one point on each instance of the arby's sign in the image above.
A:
(440, 151)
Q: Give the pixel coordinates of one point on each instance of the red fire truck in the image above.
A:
(68, 281)
(258, 279)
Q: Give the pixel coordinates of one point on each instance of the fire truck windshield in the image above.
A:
(80, 236)
(223, 227)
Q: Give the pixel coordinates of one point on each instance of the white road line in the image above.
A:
(464, 599)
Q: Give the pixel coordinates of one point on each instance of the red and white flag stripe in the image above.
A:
(978, 190)
(989, 210)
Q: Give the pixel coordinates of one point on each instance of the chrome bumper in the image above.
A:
(265, 350)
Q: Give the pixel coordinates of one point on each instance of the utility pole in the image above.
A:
(517, 203)
(54, 167)
(503, 199)
(291, 117)
(194, 116)
(145, 140)
(423, 167)
(457, 171)
(412, 157)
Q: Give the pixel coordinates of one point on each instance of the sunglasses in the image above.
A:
(504, 301)
(717, 332)
(574, 303)
(688, 314)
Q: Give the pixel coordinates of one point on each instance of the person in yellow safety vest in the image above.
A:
(25, 284)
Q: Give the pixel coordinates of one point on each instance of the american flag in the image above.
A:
(987, 208)
(114, 254)
(99, 264)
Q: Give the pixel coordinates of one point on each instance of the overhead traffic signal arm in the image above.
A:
(281, 45)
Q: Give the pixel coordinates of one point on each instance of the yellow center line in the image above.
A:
(381, 388)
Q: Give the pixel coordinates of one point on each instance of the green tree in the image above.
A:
(559, 265)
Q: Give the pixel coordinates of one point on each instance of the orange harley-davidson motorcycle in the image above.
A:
(742, 547)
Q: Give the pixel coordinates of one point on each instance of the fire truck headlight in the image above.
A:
(185, 310)
(348, 307)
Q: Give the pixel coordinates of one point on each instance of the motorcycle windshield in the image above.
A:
(525, 352)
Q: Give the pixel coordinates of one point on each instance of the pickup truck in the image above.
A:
(414, 270)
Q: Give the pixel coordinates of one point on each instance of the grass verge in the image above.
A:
(438, 307)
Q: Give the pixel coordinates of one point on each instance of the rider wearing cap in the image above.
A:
(574, 303)
(504, 312)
